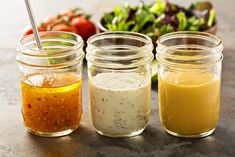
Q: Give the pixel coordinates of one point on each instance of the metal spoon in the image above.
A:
(33, 24)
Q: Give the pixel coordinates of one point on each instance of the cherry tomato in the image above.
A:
(28, 30)
(66, 13)
(63, 27)
(84, 27)
(47, 22)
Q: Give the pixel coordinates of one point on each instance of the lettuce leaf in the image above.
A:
(143, 16)
(195, 24)
(211, 19)
(158, 7)
(182, 21)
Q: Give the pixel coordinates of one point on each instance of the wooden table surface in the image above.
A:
(15, 141)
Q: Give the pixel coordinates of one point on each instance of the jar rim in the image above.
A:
(178, 34)
(109, 52)
(113, 34)
(40, 53)
(61, 49)
(197, 49)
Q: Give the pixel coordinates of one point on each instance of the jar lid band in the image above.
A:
(59, 49)
(119, 49)
(189, 49)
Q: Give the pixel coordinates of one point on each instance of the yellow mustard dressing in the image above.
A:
(189, 102)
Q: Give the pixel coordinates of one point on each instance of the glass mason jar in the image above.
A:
(189, 83)
(119, 70)
(51, 83)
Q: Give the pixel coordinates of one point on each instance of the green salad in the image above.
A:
(160, 18)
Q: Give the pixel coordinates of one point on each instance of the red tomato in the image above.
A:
(47, 22)
(85, 28)
(66, 13)
(28, 30)
(64, 27)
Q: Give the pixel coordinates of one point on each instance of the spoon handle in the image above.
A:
(34, 25)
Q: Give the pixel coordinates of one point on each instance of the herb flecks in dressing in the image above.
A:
(120, 102)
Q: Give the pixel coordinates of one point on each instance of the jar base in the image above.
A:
(201, 135)
(132, 134)
(51, 134)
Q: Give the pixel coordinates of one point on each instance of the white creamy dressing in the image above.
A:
(120, 102)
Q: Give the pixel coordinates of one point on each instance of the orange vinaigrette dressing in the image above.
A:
(51, 105)
(188, 103)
